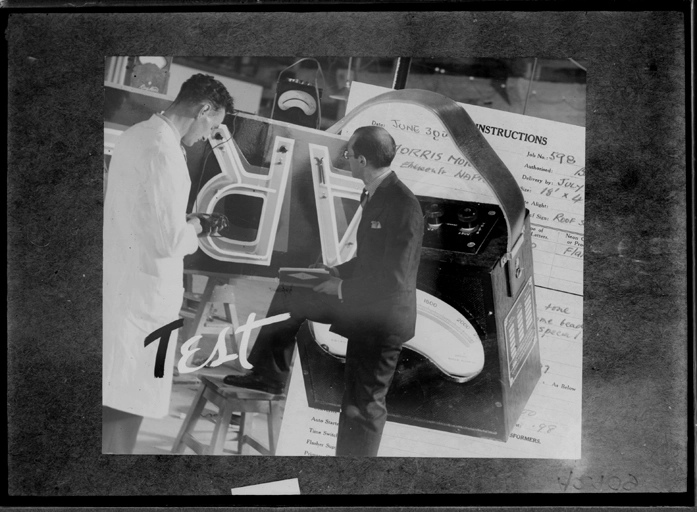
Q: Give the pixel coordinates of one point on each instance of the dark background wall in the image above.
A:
(635, 385)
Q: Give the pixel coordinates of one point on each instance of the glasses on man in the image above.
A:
(346, 154)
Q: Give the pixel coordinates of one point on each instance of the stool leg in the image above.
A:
(231, 317)
(231, 314)
(199, 321)
(191, 419)
(188, 282)
(203, 307)
(220, 432)
(240, 435)
(271, 425)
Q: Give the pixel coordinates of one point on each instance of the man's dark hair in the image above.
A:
(375, 144)
(200, 88)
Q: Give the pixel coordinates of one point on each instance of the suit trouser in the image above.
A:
(371, 360)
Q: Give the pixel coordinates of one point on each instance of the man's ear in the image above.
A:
(204, 110)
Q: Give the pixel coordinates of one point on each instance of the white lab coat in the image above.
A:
(145, 240)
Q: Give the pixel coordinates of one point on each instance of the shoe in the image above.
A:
(254, 381)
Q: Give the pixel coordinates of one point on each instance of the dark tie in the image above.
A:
(364, 198)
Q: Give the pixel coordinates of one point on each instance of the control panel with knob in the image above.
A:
(457, 225)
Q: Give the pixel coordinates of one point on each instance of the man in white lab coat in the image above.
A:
(146, 236)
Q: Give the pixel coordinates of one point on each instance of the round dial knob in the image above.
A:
(468, 217)
(434, 215)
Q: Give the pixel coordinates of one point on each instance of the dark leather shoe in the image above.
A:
(254, 381)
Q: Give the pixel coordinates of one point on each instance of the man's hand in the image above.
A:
(195, 222)
(332, 270)
(330, 286)
(209, 223)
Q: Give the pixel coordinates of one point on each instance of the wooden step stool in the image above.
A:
(229, 399)
(198, 309)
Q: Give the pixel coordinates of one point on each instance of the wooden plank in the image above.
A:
(256, 445)
(197, 447)
(192, 417)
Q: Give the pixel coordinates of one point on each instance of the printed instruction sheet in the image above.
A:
(547, 159)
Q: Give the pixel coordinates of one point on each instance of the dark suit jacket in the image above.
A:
(379, 283)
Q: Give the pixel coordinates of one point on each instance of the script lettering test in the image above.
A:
(547, 160)
(219, 354)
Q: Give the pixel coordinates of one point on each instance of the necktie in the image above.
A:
(364, 197)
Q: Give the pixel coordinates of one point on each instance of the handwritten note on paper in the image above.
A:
(546, 158)
(548, 161)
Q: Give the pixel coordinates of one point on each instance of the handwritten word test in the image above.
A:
(219, 353)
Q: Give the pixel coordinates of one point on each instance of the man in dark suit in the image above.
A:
(371, 299)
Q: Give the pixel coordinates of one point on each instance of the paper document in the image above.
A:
(547, 159)
(282, 487)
